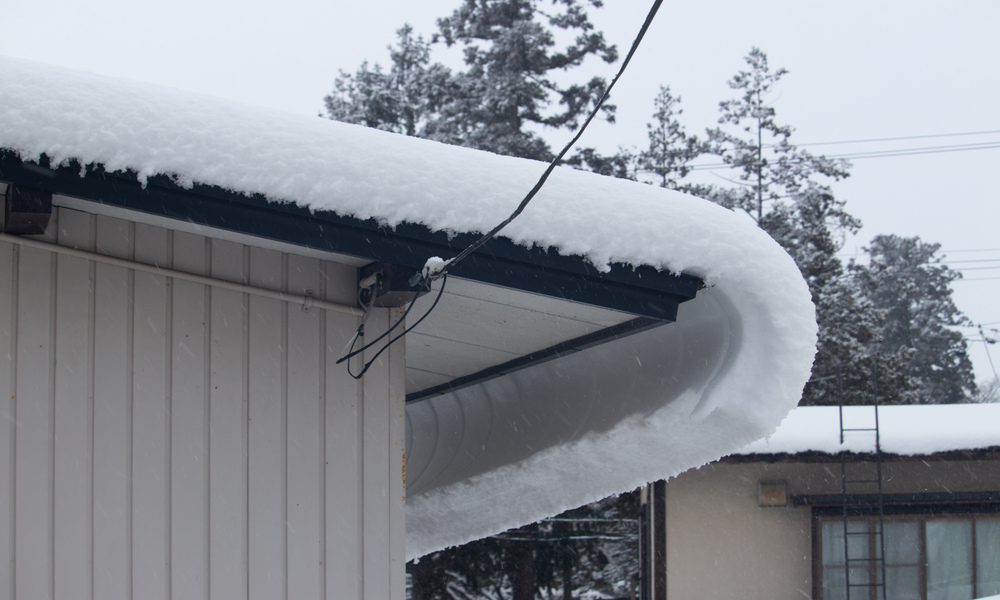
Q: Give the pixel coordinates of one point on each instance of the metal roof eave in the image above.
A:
(642, 291)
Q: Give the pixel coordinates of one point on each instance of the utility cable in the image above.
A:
(555, 161)
(986, 344)
(436, 268)
(351, 353)
(896, 139)
(916, 151)
(896, 152)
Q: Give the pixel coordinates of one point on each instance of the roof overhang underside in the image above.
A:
(506, 308)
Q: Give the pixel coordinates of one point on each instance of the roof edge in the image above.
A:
(635, 289)
(816, 456)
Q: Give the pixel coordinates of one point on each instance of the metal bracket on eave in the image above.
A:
(26, 210)
(386, 285)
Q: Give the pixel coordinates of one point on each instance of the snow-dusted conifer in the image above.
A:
(671, 149)
(511, 52)
(770, 170)
(906, 278)
(405, 99)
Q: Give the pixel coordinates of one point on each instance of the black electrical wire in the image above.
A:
(352, 353)
(422, 280)
(555, 161)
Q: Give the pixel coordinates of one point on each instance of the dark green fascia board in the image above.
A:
(641, 290)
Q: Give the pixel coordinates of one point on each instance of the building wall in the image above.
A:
(721, 544)
(168, 439)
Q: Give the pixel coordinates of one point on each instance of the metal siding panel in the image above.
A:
(266, 444)
(396, 445)
(223, 453)
(375, 466)
(112, 414)
(189, 426)
(344, 545)
(341, 283)
(8, 352)
(33, 414)
(151, 419)
(74, 490)
(227, 452)
(305, 430)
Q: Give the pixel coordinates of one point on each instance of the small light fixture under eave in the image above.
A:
(772, 494)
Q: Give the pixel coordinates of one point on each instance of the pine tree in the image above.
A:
(507, 90)
(784, 189)
(406, 99)
(770, 170)
(907, 280)
(665, 162)
(510, 51)
(671, 149)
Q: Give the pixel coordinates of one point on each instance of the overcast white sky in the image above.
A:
(859, 69)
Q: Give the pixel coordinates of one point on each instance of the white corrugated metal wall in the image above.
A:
(167, 439)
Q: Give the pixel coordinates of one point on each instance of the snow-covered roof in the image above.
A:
(911, 430)
(519, 446)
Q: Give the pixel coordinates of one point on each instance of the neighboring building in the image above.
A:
(180, 275)
(768, 522)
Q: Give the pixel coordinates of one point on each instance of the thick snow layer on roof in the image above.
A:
(657, 403)
(359, 172)
(905, 430)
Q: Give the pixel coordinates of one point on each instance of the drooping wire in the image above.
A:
(986, 345)
(360, 333)
(905, 137)
(562, 153)
(422, 281)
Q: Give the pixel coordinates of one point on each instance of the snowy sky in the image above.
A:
(859, 70)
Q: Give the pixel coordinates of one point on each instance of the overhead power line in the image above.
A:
(914, 151)
(943, 252)
(878, 154)
(898, 139)
(964, 279)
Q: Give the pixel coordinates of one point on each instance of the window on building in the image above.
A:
(927, 557)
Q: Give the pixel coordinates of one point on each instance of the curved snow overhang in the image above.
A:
(545, 378)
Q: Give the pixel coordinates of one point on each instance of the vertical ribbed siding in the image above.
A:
(9, 259)
(74, 413)
(9, 255)
(32, 414)
(164, 439)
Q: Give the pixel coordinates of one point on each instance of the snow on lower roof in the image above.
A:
(905, 430)
(538, 441)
